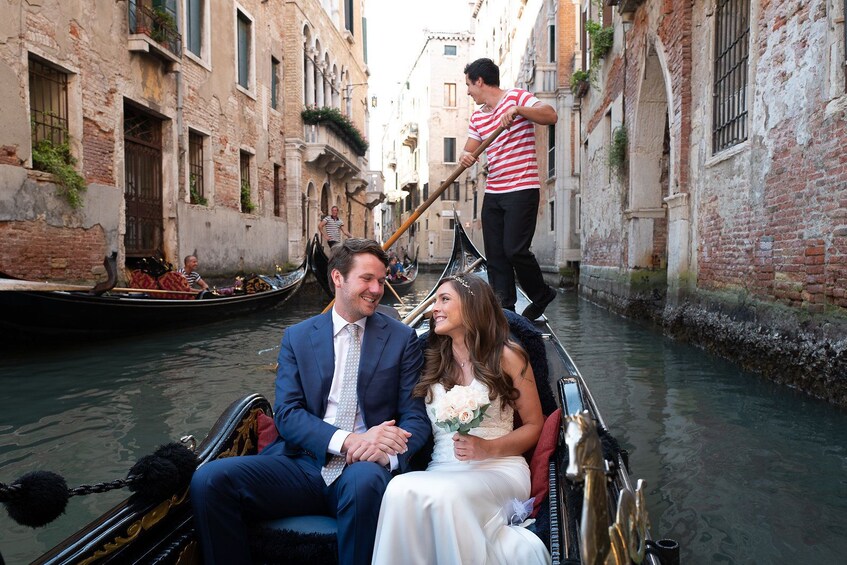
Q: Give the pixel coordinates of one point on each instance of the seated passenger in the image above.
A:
(456, 510)
(346, 417)
(396, 272)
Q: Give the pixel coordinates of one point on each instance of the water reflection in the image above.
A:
(739, 470)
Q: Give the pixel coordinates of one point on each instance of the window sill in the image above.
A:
(726, 154)
(247, 92)
(142, 43)
(199, 60)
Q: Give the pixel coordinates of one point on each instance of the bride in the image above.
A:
(458, 510)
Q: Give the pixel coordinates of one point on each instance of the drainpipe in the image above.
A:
(180, 142)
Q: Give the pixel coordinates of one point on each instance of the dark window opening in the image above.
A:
(729, 97)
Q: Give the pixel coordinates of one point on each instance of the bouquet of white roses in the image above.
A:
(461, 409)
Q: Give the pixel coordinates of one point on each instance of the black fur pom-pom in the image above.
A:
(156, 478)
(37, 498)
(183, 459)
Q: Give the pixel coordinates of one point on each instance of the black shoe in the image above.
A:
(535, 309)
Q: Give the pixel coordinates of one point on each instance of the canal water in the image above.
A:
(738, 470)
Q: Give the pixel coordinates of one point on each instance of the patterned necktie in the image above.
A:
(346, 414)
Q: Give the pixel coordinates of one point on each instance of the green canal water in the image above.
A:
(738, 470)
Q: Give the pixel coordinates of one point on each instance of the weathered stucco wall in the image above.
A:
(90, 42)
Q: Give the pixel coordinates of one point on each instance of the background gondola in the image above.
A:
(27, 316)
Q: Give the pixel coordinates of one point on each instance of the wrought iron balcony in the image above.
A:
(153, 29)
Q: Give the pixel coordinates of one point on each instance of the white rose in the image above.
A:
(465, 416)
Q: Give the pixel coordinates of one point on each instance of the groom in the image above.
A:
(338, 444)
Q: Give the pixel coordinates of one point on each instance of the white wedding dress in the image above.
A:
(455, 512)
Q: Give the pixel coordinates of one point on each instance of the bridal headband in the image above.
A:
(461, 280)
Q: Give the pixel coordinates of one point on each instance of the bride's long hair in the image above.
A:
(486, 333)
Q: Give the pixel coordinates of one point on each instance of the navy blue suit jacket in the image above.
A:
(389, 367)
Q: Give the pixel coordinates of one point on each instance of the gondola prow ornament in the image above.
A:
(624, 541)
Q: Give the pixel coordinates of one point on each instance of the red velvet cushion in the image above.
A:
(172, 280)
(541, 459)
(267, 431)
(140, 279)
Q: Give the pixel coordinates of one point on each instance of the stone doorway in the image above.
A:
(142, 184)
(649, 171)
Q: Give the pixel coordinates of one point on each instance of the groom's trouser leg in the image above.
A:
(357, 495)
(226, 492)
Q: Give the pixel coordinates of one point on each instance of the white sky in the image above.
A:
(395, 37)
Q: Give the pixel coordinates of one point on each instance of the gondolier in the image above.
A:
(190, 273)
(331, 228)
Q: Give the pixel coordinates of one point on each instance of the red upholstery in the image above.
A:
(541, 459)
(267, 431)
(140, 279)
(172, 280)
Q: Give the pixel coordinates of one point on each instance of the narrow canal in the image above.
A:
(738, 470)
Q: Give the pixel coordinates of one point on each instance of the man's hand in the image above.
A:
(508, 117)
(376, 444)
(467, 159)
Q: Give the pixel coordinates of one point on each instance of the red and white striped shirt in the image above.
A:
(512, 165)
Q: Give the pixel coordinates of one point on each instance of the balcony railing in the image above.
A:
(156, 23)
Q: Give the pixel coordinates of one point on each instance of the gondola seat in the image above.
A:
(312, 539)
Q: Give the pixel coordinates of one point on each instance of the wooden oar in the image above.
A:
(155, 291)
(410, 317)
(434, 196)
(394, 292)
(35, 286)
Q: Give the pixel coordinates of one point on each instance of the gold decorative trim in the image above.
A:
(137, 528)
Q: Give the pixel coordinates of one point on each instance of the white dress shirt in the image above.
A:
(341, 345)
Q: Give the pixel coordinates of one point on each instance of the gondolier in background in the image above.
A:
(510, 207)
(331, 228)
(346, 417)
(189, 271)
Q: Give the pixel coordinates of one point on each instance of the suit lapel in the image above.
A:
(322, 346)
(376, 336)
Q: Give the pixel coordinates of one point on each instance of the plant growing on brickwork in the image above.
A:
(619, 151)
(333, 118)
(602, 39)
(246, 204)
(58, 161)
(580, 81)
(196, 197)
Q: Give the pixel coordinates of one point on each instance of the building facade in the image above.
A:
(325, 115)
(725, 208)
(176, 127)
(422, 143)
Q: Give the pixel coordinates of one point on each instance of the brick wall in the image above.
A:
(39, 251)
(772, 216)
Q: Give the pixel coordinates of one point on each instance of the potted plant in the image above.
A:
(164, 24)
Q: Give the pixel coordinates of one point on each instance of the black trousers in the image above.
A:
(508, 224)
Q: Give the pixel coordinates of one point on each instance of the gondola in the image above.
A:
(98, 313)
(160, 530)
(319, 265)
(410, 274)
